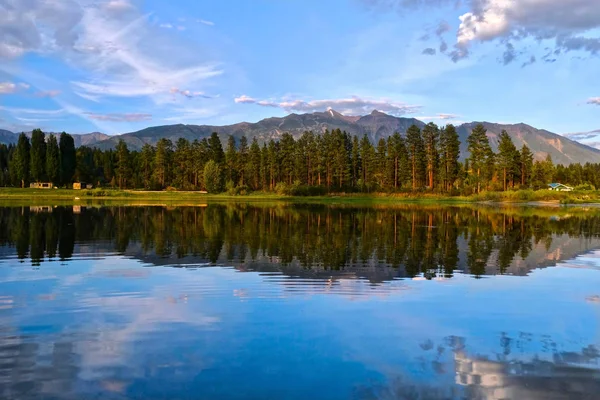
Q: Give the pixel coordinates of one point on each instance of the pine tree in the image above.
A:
(253, 167)
(480, 154)
(231, 161)
(38, 156)
(356, 162)
(147, 165)
(199, 158)
(381, 163)
(506, 157)
(20, 161)
(182, 158)
(526, 166)
(68, 158)
(215, 148)
(416, 154)
(242, 160)
(212, 177)
(450, 153)
(286, 153)
(431, 134)
(367, 156)
(52, 160)
(123, 171)
(162, 162)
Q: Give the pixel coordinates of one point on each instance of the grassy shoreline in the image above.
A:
(70, 196)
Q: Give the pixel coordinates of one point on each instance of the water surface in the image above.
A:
(238, 301)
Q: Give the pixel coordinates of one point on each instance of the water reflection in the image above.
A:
(309, 241)
(564, 376)
(246, 301)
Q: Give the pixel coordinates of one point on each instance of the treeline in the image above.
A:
(334, 161)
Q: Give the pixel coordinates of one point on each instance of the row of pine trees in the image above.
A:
(423, 159)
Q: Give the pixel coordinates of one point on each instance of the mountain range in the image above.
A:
(375, 125)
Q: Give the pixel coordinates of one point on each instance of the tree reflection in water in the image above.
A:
(378, 243)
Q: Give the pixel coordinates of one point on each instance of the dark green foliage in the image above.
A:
(38, 156)
(481, 157)
(52, 160)
(450, 152)
(431, 134)
(508, 159)
(526, 166)
(212, 177)
(416, 156)
(162, 162)
(21, 161)
(123, 171)
(68, 158)
(215, 148)
(332, 161)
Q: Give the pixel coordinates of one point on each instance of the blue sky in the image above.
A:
(117, 66)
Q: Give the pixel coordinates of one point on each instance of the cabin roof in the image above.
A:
(555, 185)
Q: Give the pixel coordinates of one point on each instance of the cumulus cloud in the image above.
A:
(349, 106)
(119, 117)
(429, 51)
(594, 100)
(569, 24)
(562, 21)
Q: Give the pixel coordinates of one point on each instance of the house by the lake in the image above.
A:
(40, 185)
(559, 187)
(82, 185)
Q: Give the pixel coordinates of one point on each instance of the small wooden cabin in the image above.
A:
(559, 187)
(40, 185)
(82, 185)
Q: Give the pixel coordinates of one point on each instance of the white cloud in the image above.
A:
(119, 117)
(190, 114)
(10, 87)
(47, 93)
(349, 106)
(166, 26)
(7, 87)
(18, 110)
(594, 100)
(206, 22)
(440, 116)
(189, 94)
(512, 20)
(118, 51)
(119, 6)
(569, 24)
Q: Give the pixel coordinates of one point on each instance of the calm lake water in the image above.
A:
(237, 301)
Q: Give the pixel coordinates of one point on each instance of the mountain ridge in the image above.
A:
(375, 125)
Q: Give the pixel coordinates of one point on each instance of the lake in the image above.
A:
(291, 301)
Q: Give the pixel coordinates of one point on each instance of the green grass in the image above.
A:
(31, 196)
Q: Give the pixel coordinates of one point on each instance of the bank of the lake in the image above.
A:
(546, 197)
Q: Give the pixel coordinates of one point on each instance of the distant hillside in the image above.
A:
(376, 125)
(86, 139)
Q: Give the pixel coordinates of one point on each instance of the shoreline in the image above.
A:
(541, 198)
